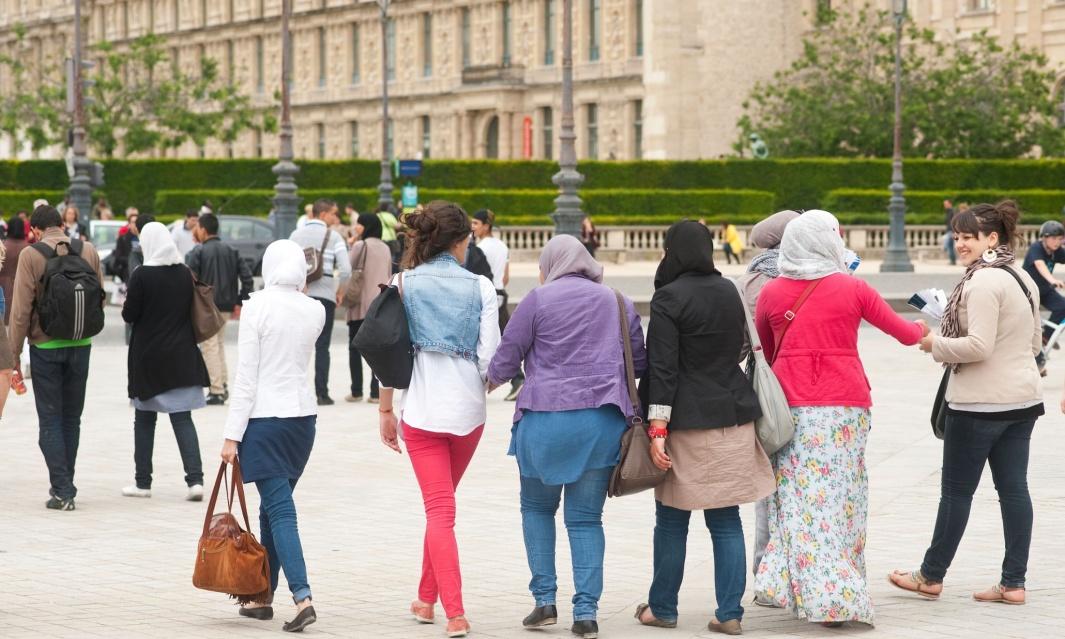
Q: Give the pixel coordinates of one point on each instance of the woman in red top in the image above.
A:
(814, 564)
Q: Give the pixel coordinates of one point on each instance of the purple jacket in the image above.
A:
(569, 334)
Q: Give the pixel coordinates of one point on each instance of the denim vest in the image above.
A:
(443, 304)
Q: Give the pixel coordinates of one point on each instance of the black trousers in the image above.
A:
(144, 443)
(355, 364)
(321, 349)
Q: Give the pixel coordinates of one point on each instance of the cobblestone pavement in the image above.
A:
(120, 567)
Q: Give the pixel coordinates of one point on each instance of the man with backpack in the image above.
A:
(58, 304)
(326, 253)
(216, 263)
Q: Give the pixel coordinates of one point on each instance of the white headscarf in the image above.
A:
(158, 247)
(812, 247)
(284, 265)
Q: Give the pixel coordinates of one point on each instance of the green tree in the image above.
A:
(136, 108)
(970, 98)
(29, 113)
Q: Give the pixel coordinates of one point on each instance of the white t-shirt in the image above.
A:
(460, 381)
(498, 255)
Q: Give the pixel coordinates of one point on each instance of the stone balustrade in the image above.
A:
(620, 243)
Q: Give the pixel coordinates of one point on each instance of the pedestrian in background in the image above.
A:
(13, 245)
(72, 225)
(731, 243)
(165, 369)
(989, 334)
(808, 320)
(271, 421)
(589, 236)
(948, 237)
(336, 269)
(454, 328)
(184, 233)
(1039, 262)
(763, 268)
(498, 255)
(701, 409)
(568, 424)
(375, 259)
(216, 263)
(102, 210)
(125, 244)
(60, 366)
(390, 227)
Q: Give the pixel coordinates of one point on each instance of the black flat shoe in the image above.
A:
(302, 620)
(541, 616)
(586, 629)
(262, 613)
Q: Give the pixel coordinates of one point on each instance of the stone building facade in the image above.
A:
(656, 79)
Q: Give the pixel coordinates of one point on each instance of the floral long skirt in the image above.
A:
(814, 564)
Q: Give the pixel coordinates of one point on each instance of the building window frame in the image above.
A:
(506, 23)
(550, 35)
(321, 140)
(427, 45)
(637, 129)
(591, 122)
(323, 62)
(547, 127)
(427, 137)
(595, 28)
(638, 23)
(465, 28)
(260, 66)
(356, 60)
(353, 131)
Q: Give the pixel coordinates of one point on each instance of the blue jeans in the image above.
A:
(321, 349)
(583, 515)
(59, 377)
(279, 534)
(730, 559)
(968, 442)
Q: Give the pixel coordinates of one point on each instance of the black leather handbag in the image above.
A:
(384, 338)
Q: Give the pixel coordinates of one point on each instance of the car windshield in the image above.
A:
(104, 236)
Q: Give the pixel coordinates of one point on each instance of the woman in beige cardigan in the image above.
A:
(989, 336)
(374, 258)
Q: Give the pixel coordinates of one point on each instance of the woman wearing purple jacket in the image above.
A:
(569, 420)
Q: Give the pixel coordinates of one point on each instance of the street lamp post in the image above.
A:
(384, 189)
(568, 215)
(897, 258)
(80, 190)
(286, 202)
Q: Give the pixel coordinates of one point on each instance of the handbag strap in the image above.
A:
(752, 332)
(1024, 288)
(630, 367)
(237, 485)
(789, 316)
(361, 264)
(214, 498)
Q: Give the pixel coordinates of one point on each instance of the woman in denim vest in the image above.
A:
(454, 327)
(570, 417)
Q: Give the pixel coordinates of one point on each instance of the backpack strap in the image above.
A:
(73, 248)
(47, 251)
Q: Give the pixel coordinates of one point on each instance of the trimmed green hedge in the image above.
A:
(513, 206)
(11, 202)
(1036, 205)
(797, 183)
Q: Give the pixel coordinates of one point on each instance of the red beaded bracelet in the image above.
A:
(657, 433)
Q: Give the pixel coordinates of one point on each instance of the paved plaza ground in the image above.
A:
(121, 567)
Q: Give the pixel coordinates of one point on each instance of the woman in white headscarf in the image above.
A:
(808, 321)
(166, 370)
(272, 416)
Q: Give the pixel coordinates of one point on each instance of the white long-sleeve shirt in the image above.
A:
(447, 394)
(278, 328)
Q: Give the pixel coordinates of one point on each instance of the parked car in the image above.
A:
(249, 235)
(104, 236)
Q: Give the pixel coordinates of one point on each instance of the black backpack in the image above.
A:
(70, 297)
(384, 338)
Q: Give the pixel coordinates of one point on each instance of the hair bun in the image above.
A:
(420, 222)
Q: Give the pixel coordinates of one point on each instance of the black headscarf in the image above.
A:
(689, 249)
(371, 226)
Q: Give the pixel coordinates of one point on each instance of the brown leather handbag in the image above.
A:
(229, 559)
(635, 471)
(207, 320)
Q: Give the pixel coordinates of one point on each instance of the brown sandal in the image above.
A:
(1000, 594)
(915, 582)
(655, 622)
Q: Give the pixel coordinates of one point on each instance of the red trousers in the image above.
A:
(439, 461)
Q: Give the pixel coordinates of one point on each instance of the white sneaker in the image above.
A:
(133, 491)
(195, 493)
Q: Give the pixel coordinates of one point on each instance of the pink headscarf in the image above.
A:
(565, 255)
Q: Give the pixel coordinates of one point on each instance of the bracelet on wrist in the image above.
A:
(655, 432)
(384, 412)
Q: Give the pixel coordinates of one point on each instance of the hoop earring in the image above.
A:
(989, 256)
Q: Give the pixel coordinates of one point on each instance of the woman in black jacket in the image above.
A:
(701, 408)
(166, 370)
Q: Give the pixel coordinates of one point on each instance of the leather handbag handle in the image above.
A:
(630, 367)
(235, 486)
(214, 498)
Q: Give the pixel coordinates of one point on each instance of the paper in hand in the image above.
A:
(930, 301)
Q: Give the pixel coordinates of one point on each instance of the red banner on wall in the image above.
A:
(526, 138)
